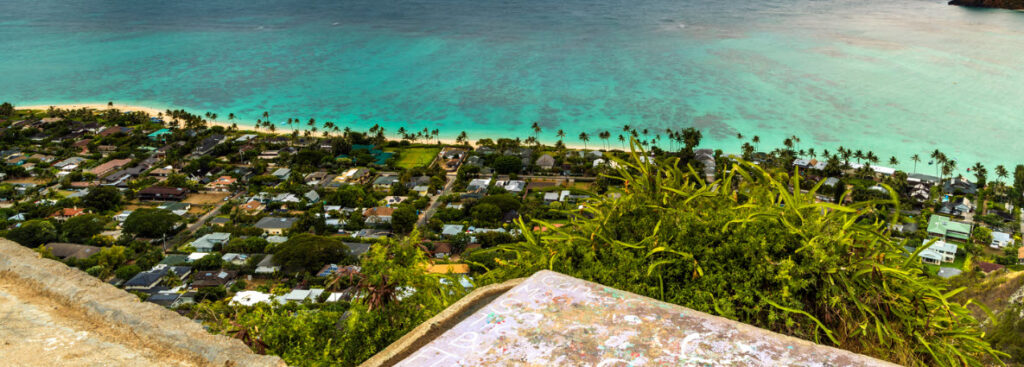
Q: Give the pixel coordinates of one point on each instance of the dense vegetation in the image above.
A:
(745, 247)
(399, 296)
(749, 249)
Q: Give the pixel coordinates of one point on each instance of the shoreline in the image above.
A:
(154, 112)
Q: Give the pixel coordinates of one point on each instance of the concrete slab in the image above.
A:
(552, 319)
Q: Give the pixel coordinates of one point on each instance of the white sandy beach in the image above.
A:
(280, 130)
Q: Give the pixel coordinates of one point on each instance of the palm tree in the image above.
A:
(893, 161)
(757, 141)
(622, 140)
(585, 138)
(916, 158)
(266, 115)
(626, 128)
(561, 133)
(462, 138)
(748, 151)
(536, 129)
(1001, 171)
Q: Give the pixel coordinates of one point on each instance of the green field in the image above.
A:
(415, 157)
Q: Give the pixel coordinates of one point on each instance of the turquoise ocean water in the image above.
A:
(894, 77)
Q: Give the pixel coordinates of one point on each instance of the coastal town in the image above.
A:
(180, 212)
(177, 212)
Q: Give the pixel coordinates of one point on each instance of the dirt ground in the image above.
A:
(206, 198)
(31, 180)
(37, 331)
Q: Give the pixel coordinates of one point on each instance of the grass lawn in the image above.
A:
(415, 157)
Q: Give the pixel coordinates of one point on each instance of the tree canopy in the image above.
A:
(103, 198)
(151, 223)
(34, 233)
(308, 252)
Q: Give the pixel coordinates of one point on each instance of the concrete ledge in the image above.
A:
(113, 316)
(552, 319)
(437, 325)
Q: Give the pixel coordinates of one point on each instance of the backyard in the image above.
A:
(414, 157)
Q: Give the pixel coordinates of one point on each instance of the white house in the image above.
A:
(1001, 239)
(939, 252)
(207, 242)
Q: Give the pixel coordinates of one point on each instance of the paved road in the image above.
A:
(435, 202)
(202, 220)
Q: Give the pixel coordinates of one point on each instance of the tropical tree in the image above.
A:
(916, 158)
(584, 138)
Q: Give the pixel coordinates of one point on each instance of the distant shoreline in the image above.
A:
(278, 130)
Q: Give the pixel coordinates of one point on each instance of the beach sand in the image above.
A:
(242, 125)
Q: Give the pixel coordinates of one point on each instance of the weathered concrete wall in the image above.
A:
(551, 319)
(51, 314)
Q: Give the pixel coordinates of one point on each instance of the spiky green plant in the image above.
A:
(751, 248)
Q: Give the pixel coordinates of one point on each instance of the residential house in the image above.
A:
(357, 249)
(312, 196)
(235, 258)
(178, 208)
(442, 250)
(546, 162)
(213, 278)
(316, 178)
(162, 172)
(947, 229)
(164, 299)
(450, 230)
(706, 157)
(1001, 239)
(114, 130)
(275, 225)
(478, 185)
(380, 215)
(71, 250)
(512, 186)
(449, 158)
(384, 182)
(209, 241)
(159, 134)
(959, 185)
(956, 207)
(69, 164)
(1020, 255)
(939, 252)
(207, 144)
(222, 183)
(252, 207)
(67, 213)
(109, 166)
(148, 279)
(267, 266)
(282, 173)
(162, 193)
(920, 192)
